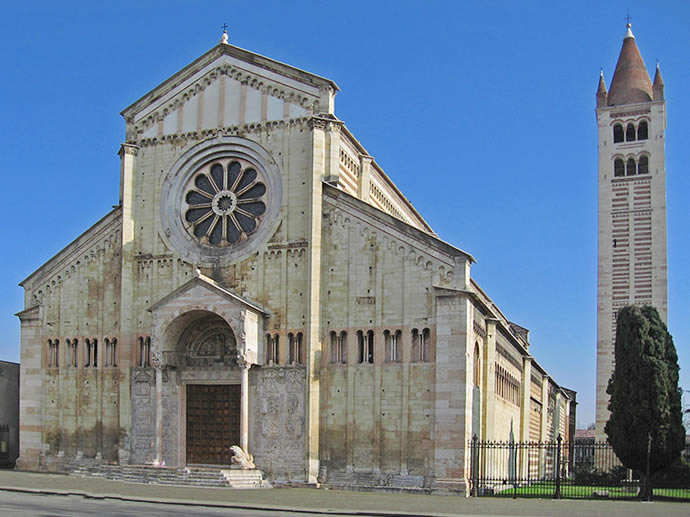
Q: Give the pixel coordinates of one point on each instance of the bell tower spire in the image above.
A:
(631, 120)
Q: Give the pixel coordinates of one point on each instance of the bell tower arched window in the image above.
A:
(643, 165)
(617, 133)
(630, 168)
(630, 133)
(643, 131)
(618, 167)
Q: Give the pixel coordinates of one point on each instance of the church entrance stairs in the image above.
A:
(186, 476)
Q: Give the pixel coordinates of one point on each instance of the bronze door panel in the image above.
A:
(213, 423)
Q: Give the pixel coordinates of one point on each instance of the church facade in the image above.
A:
(263, 283)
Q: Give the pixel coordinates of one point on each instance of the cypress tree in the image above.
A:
(644, 396)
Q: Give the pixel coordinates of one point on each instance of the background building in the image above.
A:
(9, 413)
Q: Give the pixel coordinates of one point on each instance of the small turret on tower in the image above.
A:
(602, 95)
(631, 83)
(658, 86)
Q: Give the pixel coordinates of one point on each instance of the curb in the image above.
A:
(215, 504)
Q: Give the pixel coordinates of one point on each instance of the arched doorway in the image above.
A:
(205, 352)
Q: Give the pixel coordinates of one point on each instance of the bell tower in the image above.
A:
(631, 117)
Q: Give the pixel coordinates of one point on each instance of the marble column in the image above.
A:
(244, 403)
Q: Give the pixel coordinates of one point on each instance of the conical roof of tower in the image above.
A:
(631, 83)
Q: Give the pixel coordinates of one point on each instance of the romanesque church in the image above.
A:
(264, 285)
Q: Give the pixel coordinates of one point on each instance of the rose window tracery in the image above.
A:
(224, 202)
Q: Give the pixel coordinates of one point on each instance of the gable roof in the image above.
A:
(213, 286)
(224, 49)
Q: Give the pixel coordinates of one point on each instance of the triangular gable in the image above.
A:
(227, 86)
(191, 291)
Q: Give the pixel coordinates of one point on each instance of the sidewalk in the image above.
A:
(305, 500)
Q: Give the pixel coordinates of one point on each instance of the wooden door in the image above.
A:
(213, 423)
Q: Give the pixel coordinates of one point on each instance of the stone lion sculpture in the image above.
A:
(242, 459)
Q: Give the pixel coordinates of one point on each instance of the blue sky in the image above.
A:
(481, 112)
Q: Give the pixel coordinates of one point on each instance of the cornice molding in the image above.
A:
(241, 130)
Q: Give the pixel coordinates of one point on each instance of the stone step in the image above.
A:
(194, 476)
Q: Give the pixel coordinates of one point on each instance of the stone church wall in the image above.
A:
(277, 421)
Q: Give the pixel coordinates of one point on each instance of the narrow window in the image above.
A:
(630, 133)
(269, 349)
(147, 351)
(53, 353)
(113, 351)
(643, 166)
(617, 133)
(477, 366)
(365, 342)
(334, 347)
(618, 167)
(392, 344)
(643, 131)
(89, 347)
(275, 349)
(300, 348)
(387, 346)
(415, 345)
(107, 352)
(95, 353)
(630, 168)
(426, 335)
(343, 347)
(75, 353)
(291, 348)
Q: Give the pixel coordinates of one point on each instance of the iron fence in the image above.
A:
(566, 470)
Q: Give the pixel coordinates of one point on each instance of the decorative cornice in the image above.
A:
(197, 136)
(256, 82)
(325, 124)
(622, 114)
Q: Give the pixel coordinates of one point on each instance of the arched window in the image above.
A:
(477, 366)
(630, 133)
(272, 349)
(643, 165)
(643, 131)
(107, 352)
(426, 339)
(144, 352)
(111, 352)
(393, 345)
(89, 348)
(617, 133)
(365, 344)
(72, 357)
(618, 167)
(53, 353)
(295, 348)
(631, 167)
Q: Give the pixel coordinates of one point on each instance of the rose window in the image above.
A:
(224, 202)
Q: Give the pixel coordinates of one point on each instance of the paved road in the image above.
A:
(36, 505)
(21, 495)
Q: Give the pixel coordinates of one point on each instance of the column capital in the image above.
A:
(126, 148)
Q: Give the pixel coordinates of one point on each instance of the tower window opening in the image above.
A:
(618, 168)
(643, 131)
(643, 165)
(631, 167)
(617, 133)
(630, 133)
